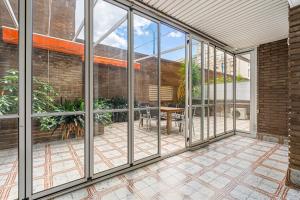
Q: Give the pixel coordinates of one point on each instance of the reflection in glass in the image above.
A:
(9, 158)
(197, 124)
(146, 81)
(57, 86)
(196, 72)
(57, 56)
(220, 72)
(110, 79)
(110, 140)
(172, 88)
(243, 94)
(206, 92)
(60, 160)
(197, 95)
(145, 132)
(229, 93)
(9, 99)
(211, 77)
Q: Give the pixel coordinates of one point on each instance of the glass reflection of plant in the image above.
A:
(196, 78)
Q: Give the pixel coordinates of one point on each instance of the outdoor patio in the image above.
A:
(59, 162)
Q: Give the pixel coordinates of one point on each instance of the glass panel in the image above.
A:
(211, 77)
(206, 76)
(110, 140)
(57, 150)
(206, 123)
(110, 55)
(197, 134)
(110, 86)
(9, 99)
(197, 124)
(206, 92)
(220, 92)
(172, 88)
(145, 133)
(243, 94)
(9, 158)
(229, 92)
(57, 86)
(57, 56)
(146, 80)
(211, 122)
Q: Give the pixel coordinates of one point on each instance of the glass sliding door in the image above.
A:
(9, 100)
(172, 88)
(57, 94)
(146, 87)
(243, 93)
(220, 92)
(229, 112)
(110, 88)
(196, 90)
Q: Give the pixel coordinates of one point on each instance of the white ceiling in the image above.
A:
(238, 23)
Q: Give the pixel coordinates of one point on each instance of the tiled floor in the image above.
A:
(234, 168)
(56, 163)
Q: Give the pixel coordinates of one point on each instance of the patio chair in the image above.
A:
(154, 114)
(180, 121)
(144, 114)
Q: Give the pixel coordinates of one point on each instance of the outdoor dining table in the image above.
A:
(169, 111)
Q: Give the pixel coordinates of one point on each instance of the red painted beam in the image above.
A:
(11, 36)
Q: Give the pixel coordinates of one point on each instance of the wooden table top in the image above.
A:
(171, 109)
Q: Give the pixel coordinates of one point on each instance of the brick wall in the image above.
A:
(294, 97)
(273, 91)
(66, 74)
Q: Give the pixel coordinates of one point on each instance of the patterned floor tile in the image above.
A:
(233, 168)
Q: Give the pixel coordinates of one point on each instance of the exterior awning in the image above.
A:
(11, 36)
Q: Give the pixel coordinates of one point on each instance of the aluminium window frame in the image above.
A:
(25, 63)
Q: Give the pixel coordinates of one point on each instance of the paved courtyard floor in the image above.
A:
(59, 162)
(234, 168)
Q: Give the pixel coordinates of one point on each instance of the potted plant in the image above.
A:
(101, 119)
(69, 125)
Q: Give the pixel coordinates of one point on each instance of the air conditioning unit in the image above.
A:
(240, 113)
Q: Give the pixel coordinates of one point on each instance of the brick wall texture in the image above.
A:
(273, 89)
(294, 96)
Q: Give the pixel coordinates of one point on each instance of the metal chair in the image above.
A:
(144, 114)
(180, 120)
